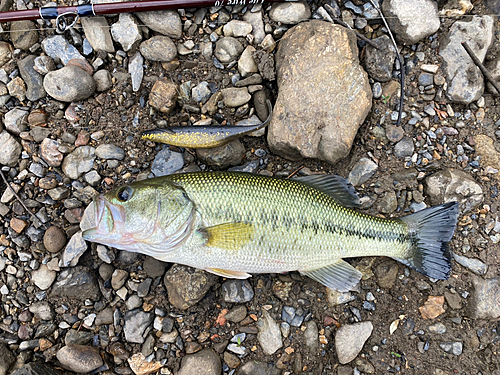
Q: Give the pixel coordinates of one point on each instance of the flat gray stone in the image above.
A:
(42, 310)
(136, 70)
(404, 148)
(485, 301)
(362, 171)
(137, 325)
(465, 80)
(96, 31)
(126, 31)
(33, 79)
(235, 96)
(58, 48)
(73, 250)
(411, 20)
(255, 19)
(11, 150)
(109, 151)
(475, 265)
(103, 80)
(76, 283)
(237, 291)
(167, 162)
(237, 28)
(453, 185)
(224, 156)
(380, 62)
(166, 22)
(80, 161)
(269, 335)
(349, 340)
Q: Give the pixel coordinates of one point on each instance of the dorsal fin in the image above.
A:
(335, 186)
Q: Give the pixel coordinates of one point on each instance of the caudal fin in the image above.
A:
(430, 231)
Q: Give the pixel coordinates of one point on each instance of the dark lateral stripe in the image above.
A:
(368, 233)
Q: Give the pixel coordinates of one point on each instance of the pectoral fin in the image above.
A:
(228, 274)
(340, 276)
(229, 236)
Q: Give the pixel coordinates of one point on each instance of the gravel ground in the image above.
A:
(73, 106)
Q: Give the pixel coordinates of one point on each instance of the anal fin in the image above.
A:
(340, 276)
(229, 274)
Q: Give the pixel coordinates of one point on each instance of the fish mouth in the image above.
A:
(109, 222)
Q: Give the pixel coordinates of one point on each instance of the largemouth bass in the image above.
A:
(202, 136)
(235, 224)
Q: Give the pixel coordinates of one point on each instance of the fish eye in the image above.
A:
(124, 193)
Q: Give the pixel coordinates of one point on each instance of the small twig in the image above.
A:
(295, 172)
(401, 63)
(480, 65)
(34, 217)
(342, 23)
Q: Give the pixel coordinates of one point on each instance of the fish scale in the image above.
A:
(233, 224)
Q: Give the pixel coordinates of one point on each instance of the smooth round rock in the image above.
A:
(235, 97)
(80, 358)
(103, 80)
(158, 48)
(54, 239)
(69, 84)
(205, 362)
(228, 49)
(290, 13)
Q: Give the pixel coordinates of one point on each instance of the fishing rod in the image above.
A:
(87, 10)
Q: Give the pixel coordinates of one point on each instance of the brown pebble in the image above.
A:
(231, 360)
(82, 139)
(74, 215)
(37, 117)
(45, 344)
(54, 239)
(47, 183)
(192, 347)
(163, 95)
(17, 224)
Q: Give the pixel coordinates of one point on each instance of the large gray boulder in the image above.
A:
(324, 94)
